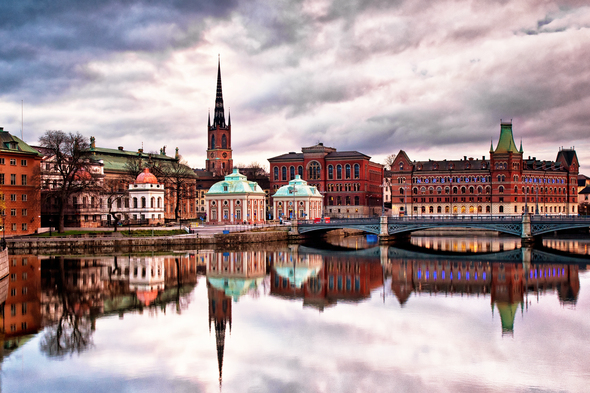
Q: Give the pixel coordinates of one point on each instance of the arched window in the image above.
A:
(439, 209)
(291, 173)
(347, 171)
(401, 191)
(463, 190)
(357, 170)
(314, 171)
(300, 171)
(330, 172)
(223, 142)
(143, 202)
(454, 190)
(357, 200)
(471, 190)
(515, 189)
(212, 141)
(159, 202)
(347, 200)
(276, 173)
(152, 202)
(135, 203)
(501, 209)
(284, 173)
(401, 166)
(501, 189)
(338, 171)
(479, 190)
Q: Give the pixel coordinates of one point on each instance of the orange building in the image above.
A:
(19, 185)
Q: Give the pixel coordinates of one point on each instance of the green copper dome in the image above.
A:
(235, 183)
(297, 188)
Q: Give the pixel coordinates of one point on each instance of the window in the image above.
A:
(1, 178)
(13, 197)
(13, 180)
(24, 290)
(14, 226)
(291, 173)
(12, 161)
(24, 226)
(330, 172)
(276, 172)
(314, 170)
(347, 171)
(357, 171)
(24, 308)
(300, 171)
(223, 142)
(23, 162)
(24, 197)
(13, 310)
(13, 212)
(1, 161)
(339, 172)
(284, 173)
(24, 212)
(212, 141)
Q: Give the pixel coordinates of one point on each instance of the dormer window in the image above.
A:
(225, 188)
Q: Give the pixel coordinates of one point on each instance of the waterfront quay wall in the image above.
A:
(119, 244)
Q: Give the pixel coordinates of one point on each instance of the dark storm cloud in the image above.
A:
(46, 43)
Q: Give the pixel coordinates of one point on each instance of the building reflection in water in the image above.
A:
(20, 293)
(574, 246)
(508, 284)
(462, 244)
(66, 295)
(321, 281)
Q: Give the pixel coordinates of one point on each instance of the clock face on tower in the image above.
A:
(224, 155)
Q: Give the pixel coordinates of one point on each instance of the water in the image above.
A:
(348, 318)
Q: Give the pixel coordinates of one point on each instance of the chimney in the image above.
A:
(483, 158)
(120, 148)
(464, 158)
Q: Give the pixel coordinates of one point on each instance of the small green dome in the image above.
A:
(235, 183)
(297, 188)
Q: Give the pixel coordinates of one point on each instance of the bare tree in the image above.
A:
(178, 177)
(134, 166)
(389, 160)
(115, 191)
(72, 167)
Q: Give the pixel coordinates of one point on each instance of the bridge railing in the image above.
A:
(452, 218)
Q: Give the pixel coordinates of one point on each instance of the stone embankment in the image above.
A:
(109, 243)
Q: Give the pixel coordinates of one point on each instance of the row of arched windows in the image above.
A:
(347, 201)
(451, 179)
(153, 204)
(314, 172)
(343, 187)
(347, 171)
(447, 190)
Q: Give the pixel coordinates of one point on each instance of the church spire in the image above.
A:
(209, 118)
(219, 117)
(228, 118)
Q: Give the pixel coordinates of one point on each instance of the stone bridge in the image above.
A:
(526, 226)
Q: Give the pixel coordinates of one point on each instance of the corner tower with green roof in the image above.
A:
(506, 169)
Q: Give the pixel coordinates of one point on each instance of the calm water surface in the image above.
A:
(440, 314)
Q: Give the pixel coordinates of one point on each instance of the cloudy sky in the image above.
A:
(431, 77)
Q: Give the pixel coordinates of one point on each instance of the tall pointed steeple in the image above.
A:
(209, 119)
(219, 117)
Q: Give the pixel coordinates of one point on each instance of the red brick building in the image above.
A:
(19, 185)
(348, 180)
(506, 183)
